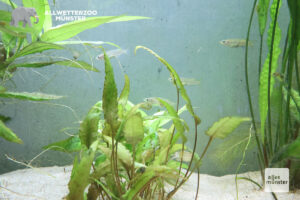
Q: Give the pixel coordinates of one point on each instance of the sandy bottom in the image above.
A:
(50, 183)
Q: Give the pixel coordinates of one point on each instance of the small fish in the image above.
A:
(155, 101)
(186, 156)
(76, 54)
(187, 81)
(233, 43)
(112, 53)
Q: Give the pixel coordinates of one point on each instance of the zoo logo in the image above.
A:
(23, 14)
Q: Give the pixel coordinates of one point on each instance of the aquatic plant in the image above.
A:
(278, 100)
(22, 42)
(128, 154)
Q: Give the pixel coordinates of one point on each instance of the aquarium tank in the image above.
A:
(137, 99)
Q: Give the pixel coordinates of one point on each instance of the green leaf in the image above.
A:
(225, 126)
(88, 130)
(262, 11)
(39, 6)
(123, 98)
(124, 154)
(263, 87)
(294, 103)
(29, 96)
(72, 144)
(9, 41)
(291, 151)
(8, 30)
(134, 129)
(164, 137)
(110, 97)
(77, 64)
(125, 92)
(8, 134)
(5, 16)
(34, 47)
(100, 159)
(69, 30)
(177, 82)
(69, 63)
(294, 7)
(176, 120)
(48, 18)
(80, 178)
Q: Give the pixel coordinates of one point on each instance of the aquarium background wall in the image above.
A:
(185, 33)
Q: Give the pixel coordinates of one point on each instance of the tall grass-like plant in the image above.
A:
(128, 154)
(278, 90)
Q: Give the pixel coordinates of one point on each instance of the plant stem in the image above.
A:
(114, 167)
(133, 160)
(173, 132)
(247, 80)
(169, 196)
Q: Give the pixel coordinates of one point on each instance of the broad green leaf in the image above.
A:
(100, 159)
(262, 11)
(88, 130)
(80, 178)
(176, 120)
(48, 18)
(134, 129)
(122, 101)
(69, 63)
(160, 156)
(39, 6)
(110, 97)
(291, 151)
(177, 82)
(71, 29)
(164, 137)
(34, 96)
(8, 134)
(263, 87)
(125, 92)
(5, 16)
(34, 47)
(124, 154)
(8, 30)
(225, 126)
(71, 144)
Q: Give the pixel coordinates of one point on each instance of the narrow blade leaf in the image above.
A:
(29, 96)
(8, 134)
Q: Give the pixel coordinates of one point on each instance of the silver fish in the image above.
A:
(112, 53)
(155, 101)
(187, 81)
(233, 43)
(186, 156)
